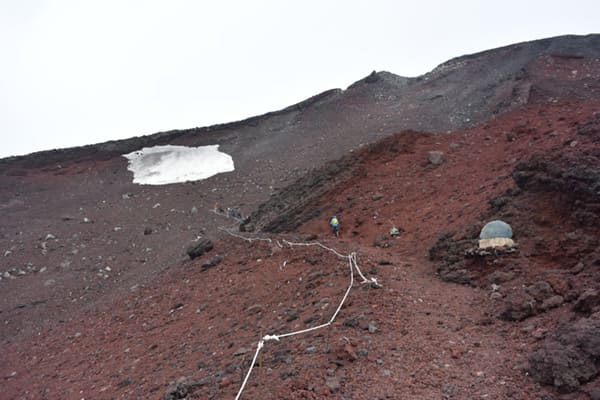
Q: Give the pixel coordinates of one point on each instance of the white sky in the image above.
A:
(79, 72)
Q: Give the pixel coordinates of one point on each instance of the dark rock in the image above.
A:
(184, 387)
(590, 128)
(198, 249)
(587, 301)
(311, 319)
(254, 309)
(568, 358)
(594, 393)
(519, 305)
(456, 275)
(577, 268)
(552, 302)
(247, 227)
(498, 277)
(377, 196)
(449, 255)
(449, 389)
(540, 291)
(373, 77)
(311, 260)
(212, 262)
(541, 174)
(310, 238)
(384, 262)
(241, 351)
(315, 275)
(559, 282)
(292, 315)
(147, 231)
(381, 241)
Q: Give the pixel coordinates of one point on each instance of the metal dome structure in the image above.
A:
(496, 229)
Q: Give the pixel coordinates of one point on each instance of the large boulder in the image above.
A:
(569, 357)
(199, 248)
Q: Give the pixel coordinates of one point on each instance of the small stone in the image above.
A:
(577, 268)
(386, 372)
(587, 301)
(379, 361)
(254, 309)
(50, 237)
(448, 389)
(539, 333)
(377, 196)
(346, 352)
(194, 210)
(212, 262)
(147, 231)
(436, 157)
(498, 277)
(456, 353)
(226, 381)
(372, 328)
(241, 351)
(496, 296)
(333, 384)
(552, 302)
(310, 350)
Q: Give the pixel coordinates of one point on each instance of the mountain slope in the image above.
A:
(98, 296)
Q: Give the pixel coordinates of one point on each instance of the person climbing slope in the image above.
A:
(335, 225)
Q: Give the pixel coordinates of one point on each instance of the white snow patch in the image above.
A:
(161, 165)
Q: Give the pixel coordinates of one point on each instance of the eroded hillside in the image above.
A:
(99, 299)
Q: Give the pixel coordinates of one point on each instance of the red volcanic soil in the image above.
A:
(191, 332)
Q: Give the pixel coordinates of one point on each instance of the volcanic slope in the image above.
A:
(99, 301)
(416, 337)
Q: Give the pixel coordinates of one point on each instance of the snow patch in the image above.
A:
(161, 165)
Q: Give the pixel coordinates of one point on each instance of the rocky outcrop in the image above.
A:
(569, 357)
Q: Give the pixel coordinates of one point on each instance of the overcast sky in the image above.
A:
(80, 72)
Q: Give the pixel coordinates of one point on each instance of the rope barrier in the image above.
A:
(243, 237)
(353, 264)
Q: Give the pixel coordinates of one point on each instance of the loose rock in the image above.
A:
(436, 157)
(198, 249)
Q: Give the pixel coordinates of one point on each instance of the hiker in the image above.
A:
(235, 213)
(335, 224)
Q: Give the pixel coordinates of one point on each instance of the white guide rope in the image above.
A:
(352, 261)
